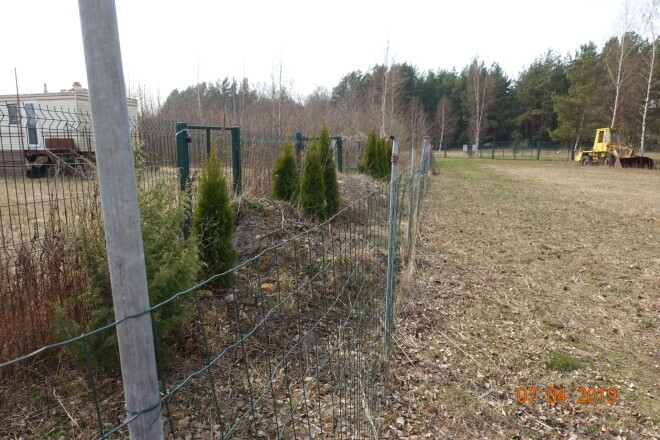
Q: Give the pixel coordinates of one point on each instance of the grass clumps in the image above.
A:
(563, 362)
(214, 221)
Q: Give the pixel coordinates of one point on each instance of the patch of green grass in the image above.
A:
(646, 323)
(528, 433)
(563, 362)
(544, 247)
(256, 206)
(631, 397)
(593, 429)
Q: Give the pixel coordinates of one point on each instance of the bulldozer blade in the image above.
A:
(634, 162)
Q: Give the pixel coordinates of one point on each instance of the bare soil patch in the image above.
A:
(542, 275)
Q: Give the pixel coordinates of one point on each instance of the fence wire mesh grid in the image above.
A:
(294, 348)
(47, 172)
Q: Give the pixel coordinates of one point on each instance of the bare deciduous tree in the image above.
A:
(444, 121)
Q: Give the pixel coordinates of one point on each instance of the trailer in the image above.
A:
(46, 131)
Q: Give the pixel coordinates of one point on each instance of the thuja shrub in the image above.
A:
(370, 160)
(331, 186)
(386, 158)
(312, 189)
(172, 265)
(214, 222)
(376, 160)
(285, 173)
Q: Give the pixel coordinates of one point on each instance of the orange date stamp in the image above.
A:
(584, 395)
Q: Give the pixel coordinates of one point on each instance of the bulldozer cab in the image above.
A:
(609, 140)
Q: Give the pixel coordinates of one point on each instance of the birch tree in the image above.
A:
(444, 120)
(650, 17)
(479, 97)
(617, 55)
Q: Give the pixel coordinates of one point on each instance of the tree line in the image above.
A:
(556, 98)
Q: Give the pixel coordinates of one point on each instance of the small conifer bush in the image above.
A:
(369, 161)
(213, 221)
(377, 154)
(331, 186)
(312, 190)
(285, 173)
(172, 265)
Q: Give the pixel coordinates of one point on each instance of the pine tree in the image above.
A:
(331, 186)
(213, 220)
(312, 191)
(285, 173)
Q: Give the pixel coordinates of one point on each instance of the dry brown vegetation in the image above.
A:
(531, 274)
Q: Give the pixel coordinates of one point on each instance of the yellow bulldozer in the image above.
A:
(610, 149)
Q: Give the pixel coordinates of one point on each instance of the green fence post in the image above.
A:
(492, 150)
(236, 159)
(299, 144)
(340, 154)
(514, 151)
(208, 141)
(538, 150)
(183, 160)
(444, 149)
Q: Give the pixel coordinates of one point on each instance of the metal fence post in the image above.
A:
(236, 159)
(121, 217)
(182, 157)
(538, 150)
(391, 252)
(445, 150)
(514, 151)
(411, 214)
(299, 144)
(423, 170)
(492, 150)
(340, 154)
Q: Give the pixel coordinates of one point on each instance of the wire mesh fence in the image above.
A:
(506, 150)
(294, 348)
(48, 178)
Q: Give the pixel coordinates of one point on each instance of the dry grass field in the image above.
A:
(540, 275)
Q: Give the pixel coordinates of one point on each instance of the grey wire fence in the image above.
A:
(506, 150)
(294, 348)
